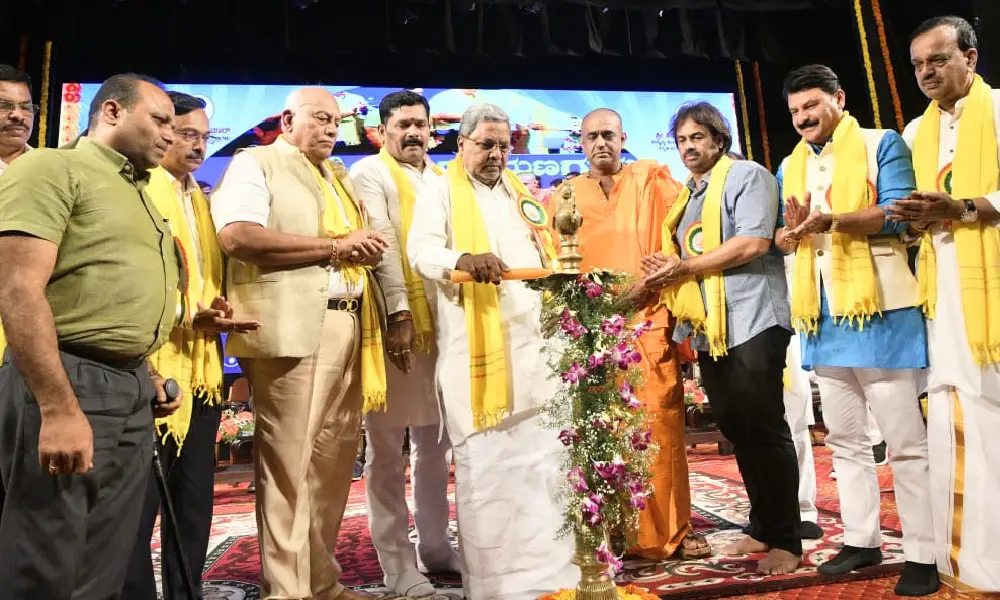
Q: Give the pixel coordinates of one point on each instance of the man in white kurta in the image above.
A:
(383, 182)
(963, 393)
(507, 476)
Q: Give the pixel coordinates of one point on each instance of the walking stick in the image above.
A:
(173, 391)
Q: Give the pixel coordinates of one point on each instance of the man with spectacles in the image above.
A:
(192, 356)
(300, 262)
(480, 218)
(17, 114)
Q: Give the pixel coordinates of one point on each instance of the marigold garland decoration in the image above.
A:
(743, 108)
(591, 344)
(760, 111)
(887, 59)
(859, 15)
(43, 117)
(628, 592)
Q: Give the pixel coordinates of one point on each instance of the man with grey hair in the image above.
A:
(300, 258)
(480, 219)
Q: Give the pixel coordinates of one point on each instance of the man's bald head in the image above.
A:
(310, 121)
(603, 138)
(600, 116)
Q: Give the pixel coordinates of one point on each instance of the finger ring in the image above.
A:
(391, 353)
(53, 469)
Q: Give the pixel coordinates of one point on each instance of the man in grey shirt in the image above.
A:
(742, 365)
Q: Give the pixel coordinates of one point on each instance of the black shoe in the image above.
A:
(359, 471)
(918, 579)
(810, 531)
(851, 558)
(878, 452)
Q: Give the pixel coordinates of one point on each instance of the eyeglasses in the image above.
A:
(7, 107)
(488, 145)
(191, 137)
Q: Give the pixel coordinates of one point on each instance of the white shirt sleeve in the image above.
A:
(427, 246)
(242, 194)
(368, 185)
(910, 132)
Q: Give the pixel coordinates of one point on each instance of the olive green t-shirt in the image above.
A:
(113, 290)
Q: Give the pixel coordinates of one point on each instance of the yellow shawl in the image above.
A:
(487, 350)
(685, 300)
(193, 358)
(854, 287)
(373, 384)
(974, 173)
(417, 296)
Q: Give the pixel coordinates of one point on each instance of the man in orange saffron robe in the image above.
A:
(623, 208)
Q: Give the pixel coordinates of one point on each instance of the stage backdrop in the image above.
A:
(546, 124)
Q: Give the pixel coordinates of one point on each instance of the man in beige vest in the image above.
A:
(855, 302)
(299, 263)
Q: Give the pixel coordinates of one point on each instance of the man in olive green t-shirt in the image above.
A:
(88, 289)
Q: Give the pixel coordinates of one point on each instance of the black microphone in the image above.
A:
(172, 389)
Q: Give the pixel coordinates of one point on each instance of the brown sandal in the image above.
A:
(694, 547)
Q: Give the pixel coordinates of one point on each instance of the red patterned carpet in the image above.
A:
(720, 507)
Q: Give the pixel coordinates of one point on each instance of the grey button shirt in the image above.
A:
(756, 293)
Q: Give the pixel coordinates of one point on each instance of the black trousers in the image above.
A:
(191, 485)
(746, 390)
(61, 536)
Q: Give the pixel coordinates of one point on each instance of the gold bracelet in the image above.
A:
(335, 253)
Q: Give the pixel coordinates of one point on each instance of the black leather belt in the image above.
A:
(350, 305)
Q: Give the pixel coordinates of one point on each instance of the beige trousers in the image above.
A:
(308, 417)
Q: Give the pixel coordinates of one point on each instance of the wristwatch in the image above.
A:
(971, 214)
(834, 223)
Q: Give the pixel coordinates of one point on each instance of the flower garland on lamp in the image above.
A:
(867, 59)
(743, 108)
(43, 117)
(760, 111)
(887, 59)
(591, 343)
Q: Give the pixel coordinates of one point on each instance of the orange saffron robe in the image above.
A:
(617, 232)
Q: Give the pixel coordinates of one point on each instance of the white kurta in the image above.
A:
(412, 399)
(506, 478)
(799, 414)
(412, 402)
(963, 412)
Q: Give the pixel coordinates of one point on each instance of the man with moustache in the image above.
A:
(955, 216)
(193, 357)
(17, 114)
(623, 208)
(300, 259)
(88, 290)
(479, 219)
(855, 304)
(726, 286)
(388, 185)
(17, 119)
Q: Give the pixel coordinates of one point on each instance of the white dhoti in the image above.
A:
(799, 414)
(411, 403)
(507, 481)
(965, 485)
(891, 395)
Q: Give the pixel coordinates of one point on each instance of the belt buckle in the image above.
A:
(347, 305)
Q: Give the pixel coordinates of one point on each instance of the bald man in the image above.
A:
(623, 208)
(300, 261)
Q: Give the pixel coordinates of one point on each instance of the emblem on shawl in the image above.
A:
(872, 194)
(693, 245)
(944, 179)
(532, 212)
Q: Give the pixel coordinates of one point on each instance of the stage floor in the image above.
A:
(720, 507)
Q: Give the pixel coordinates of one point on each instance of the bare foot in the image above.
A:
(778, 562)
(746, 545)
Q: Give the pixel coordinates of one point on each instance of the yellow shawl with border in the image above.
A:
(974, 173)
(706, 315)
